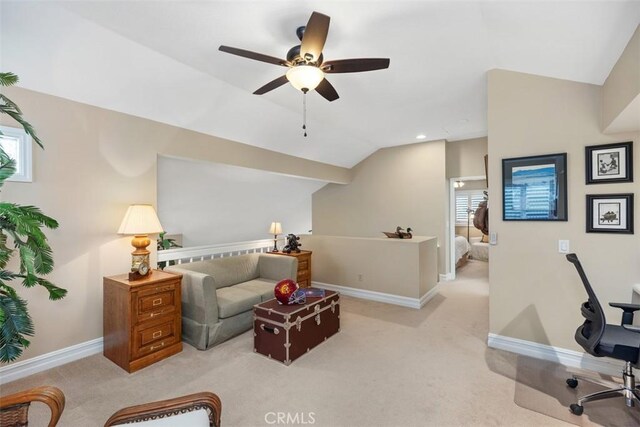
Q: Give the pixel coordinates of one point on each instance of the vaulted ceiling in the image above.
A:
(159, 60)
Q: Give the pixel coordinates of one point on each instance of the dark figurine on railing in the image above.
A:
(400, 233)
(292, 244)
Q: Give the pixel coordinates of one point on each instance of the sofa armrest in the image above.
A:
(199, 298)
(277, 267)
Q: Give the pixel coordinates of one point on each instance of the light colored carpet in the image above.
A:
(541, 386)
(389, 366)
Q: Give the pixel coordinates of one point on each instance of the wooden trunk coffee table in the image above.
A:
(286, 332)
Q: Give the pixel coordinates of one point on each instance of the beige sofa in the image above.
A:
(218, 295)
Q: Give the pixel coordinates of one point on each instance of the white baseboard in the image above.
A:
(447, 277)
(46, 361)
(380, 296)
(563, 356)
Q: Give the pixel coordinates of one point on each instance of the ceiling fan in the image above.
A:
(306, 63)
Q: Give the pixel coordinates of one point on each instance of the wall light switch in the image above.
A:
(493, 238)
(563, 246)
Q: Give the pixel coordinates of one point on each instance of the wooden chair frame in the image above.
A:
(14, 409)
(169, 407)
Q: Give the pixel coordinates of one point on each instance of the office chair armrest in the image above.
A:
(632, 328)
(628, 309)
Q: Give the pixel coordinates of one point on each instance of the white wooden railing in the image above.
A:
(201, 253)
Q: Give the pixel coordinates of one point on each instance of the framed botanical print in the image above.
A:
(609, 163)
(610, 213)
(535, 188)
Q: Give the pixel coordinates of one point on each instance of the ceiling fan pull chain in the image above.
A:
(304, 112)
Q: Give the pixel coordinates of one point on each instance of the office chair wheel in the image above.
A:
(572, 382)
(576, 409)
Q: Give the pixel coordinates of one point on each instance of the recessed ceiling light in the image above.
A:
(421, 136)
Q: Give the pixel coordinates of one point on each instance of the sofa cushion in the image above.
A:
(232, 300)
(227, 271)
(262, 287)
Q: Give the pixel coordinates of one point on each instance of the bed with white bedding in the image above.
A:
(479, 250)
(462, 250)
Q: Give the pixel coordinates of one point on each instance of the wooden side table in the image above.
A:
(142, 319)
(304, 267)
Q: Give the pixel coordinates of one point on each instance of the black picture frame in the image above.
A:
(608, 163)
(610, 213)
(535, 188)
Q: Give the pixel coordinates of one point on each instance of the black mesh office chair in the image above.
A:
(603, 340)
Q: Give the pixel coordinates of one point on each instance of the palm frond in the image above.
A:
(27, 267)
(55, 292)
(8, 79)
(7, 166)
(43, 256)
(26, 217)
(5, 252)
(9, 104)
(15, 325)
(25, 125)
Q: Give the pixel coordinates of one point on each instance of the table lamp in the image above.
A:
(140, 220)
(275, 229)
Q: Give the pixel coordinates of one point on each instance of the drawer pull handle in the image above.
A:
(156, 301)
(155, 313)
(156, 334)
(153, 347)
(269, 329)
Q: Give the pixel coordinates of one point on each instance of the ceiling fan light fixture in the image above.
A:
(305, 77)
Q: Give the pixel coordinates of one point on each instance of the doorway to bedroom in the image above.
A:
(468, 242)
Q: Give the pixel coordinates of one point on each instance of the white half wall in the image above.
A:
(212, 203)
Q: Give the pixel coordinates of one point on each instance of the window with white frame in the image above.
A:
(467, 200)
(17, 144)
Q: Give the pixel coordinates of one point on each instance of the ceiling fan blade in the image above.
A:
(355, 65)
(315, 34)
(327, 90)
(273, 84)
(254, 55)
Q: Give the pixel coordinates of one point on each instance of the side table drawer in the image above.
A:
(154, 336)
(154, 301)
(303, 275)
(303, 263)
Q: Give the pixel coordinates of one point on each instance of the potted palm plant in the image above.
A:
(21, 234)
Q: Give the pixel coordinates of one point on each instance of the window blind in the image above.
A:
(467, 200)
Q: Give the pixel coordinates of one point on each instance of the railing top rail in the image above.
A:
(207, 250)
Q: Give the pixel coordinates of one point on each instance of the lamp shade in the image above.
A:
(140, 220)
(276, 228)
(305, 77)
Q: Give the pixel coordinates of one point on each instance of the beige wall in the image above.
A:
(402, 186)
(406, 268)
(95, 163)
(535, 294)
(466, 158)
(623, 84)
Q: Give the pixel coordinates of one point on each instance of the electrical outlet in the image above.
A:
(493, 238)
(563, 246)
